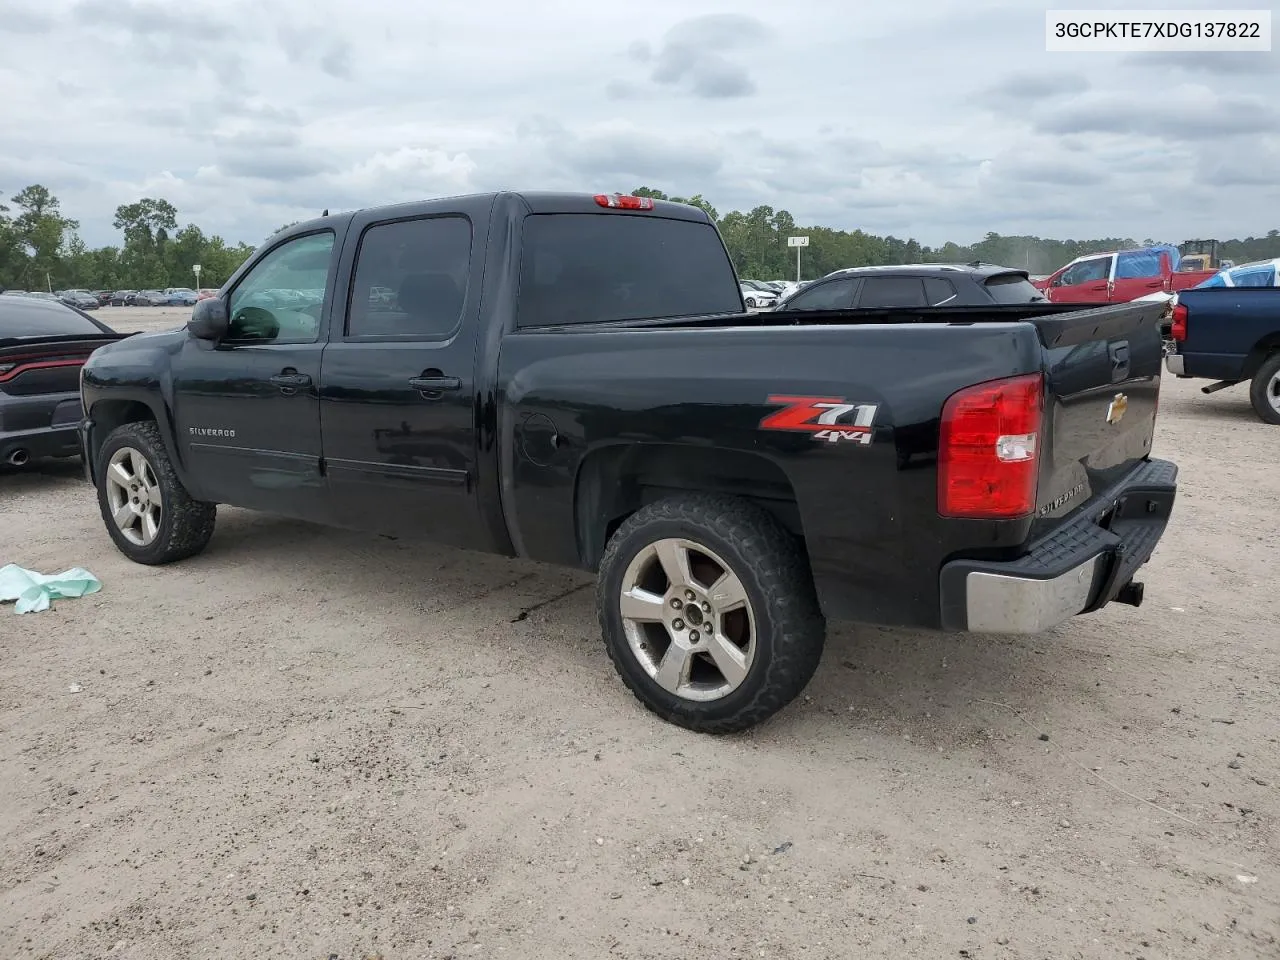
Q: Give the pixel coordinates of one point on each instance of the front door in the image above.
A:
(1085, 282)
(248, 409)
(397, 396)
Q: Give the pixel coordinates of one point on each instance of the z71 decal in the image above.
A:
(830, 419)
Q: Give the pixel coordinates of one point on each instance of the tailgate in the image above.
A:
(39, 365)
(1101, 393)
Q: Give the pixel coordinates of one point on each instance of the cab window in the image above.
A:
(282, 298)
(1086, 271)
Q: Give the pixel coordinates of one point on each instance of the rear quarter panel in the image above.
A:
(868, 512)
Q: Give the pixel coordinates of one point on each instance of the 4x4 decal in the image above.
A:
(830, 419)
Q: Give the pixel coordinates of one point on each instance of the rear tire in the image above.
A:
(729, 640)
(1264, 391)
(147, 510)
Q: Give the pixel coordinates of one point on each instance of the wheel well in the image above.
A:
(1258, 355)
(110, 414)
(618, 480)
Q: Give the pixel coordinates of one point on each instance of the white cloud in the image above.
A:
(938, 119)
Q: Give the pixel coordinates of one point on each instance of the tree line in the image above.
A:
(40, 247)
(757, 241)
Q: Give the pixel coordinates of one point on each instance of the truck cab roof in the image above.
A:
(533, 201)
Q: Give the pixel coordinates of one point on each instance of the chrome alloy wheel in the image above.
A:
(687, 620)
(133, 494)
(1273, 392)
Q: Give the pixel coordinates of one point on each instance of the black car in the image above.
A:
(122, 298)
(82, 299)
(43, 344)
(916, 285)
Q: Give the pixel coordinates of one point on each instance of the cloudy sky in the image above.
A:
(937, 119)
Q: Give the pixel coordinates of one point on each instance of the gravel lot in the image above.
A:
(309, 743)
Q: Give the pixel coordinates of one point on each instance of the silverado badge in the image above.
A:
(1115, 410)
(829, 419)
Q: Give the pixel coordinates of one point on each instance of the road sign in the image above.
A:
(797, 242)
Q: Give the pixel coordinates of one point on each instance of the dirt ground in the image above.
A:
(316, 744)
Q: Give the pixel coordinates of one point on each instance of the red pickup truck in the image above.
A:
(1120, 276)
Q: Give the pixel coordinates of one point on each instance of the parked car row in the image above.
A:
(169, 297)
(93, 299)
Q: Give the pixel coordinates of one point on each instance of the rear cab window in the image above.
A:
(601, 267)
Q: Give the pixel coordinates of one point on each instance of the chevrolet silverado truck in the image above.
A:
(574, 379)
(1228, 331)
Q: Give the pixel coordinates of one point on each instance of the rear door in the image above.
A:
(398, 402)
(1101, 392)
(1084, 282)
(1137, 273)
(892, 292)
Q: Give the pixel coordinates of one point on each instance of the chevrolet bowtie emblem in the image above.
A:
(1115, 410)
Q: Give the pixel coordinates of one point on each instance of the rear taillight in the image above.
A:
(988, 446)
(619, 202)
(1179, 328)
(11, 371)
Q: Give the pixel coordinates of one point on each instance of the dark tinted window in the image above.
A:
(1012, 288)
(582, 268)
(23, 317)
(411, 279)
(832, 295)
(892, 292)
(939, 291)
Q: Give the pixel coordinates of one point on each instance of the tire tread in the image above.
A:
(189, 524)
(1258, 389)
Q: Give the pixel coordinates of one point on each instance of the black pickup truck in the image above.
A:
(574, 379)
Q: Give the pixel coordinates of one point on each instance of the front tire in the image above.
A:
(147, 510)
(709, 613)
(1264, 391)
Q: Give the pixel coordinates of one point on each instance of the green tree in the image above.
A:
(40, 230)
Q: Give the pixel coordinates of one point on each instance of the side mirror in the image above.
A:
(209, 320)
